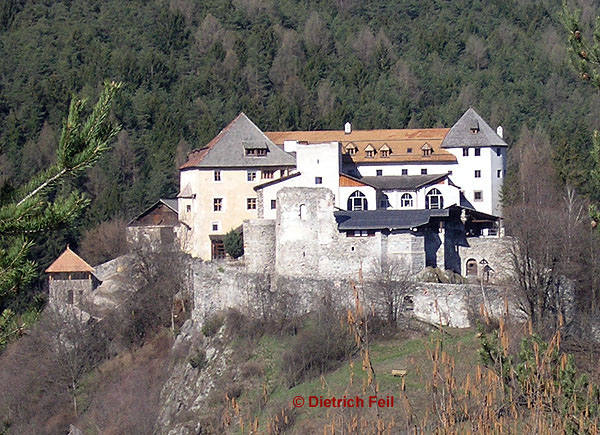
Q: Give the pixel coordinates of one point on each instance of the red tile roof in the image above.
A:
(398, 141)
(69, 261)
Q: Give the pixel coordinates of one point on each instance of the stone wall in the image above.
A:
(62, 292)
(457, 305)
(218, 287)
(156, 237)
(494, 250)
(308, 243)
(259, 245)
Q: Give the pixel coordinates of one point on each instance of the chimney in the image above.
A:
(500, 132)
(347, 128)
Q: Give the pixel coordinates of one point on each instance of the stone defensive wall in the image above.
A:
(219, 286)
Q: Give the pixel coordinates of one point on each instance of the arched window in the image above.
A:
(406, 200)
(471, 267)
(357, 201)
(302, 213)
(434, 199)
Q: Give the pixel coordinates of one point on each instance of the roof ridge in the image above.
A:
(69, 261)
(214, 140)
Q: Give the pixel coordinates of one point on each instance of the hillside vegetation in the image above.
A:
(189, 67)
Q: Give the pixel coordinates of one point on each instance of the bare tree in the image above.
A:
(365, 44)
(390, 287)
(104, 242)
(549, 231)
(475, 48)
(316, 34)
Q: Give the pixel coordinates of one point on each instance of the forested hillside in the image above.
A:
(189, 67)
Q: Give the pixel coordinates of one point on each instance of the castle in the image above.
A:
(417, 197)
(317, 209)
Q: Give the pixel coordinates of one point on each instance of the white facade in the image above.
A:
(491, 164)
(416, 199)
(480, 176)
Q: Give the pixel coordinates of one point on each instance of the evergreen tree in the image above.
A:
(45, 203)
(234, 245)
(585, 59)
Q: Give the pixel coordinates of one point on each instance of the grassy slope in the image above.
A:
(412, 354)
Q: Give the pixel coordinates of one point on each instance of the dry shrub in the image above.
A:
(318, 348)
(149, 310)
(212, 324)
(125, 391)
(41, 374)
(253, 369)
(104, 242)
(283, 420)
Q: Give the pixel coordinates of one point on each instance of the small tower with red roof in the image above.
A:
(69, 278)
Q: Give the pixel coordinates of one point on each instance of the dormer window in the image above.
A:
(351, 149)
(384, 151)
(256, 152)
(475, 128)
(369, 151)
(427, 150)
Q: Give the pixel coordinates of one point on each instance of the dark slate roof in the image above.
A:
(402, 182)
(172, 203)
(460, 134)
(386, 219)
(228, 149)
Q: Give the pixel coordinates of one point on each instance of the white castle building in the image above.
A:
(378, 180)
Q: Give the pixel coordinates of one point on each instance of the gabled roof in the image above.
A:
(399, 140)
(171, 203)
(69, 261)
(402, 182)
(386, 219)
(460, 134)
(228, 149)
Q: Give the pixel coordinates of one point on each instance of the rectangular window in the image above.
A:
(188, 208)
(408, 150)
(498, 152)
(423, 171)
(477, 173)
(251, 203)
(251, 175)
(384, 153)
(217, 204)
(499, 173)
(478, 195)
(360, 233)
(215, 226)
(318, 180)
(268, 175)
(404, 171)
(465, 152)
(273, 204)
(217, 175)
(379, 172)
(477, 151)
(254, 152)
